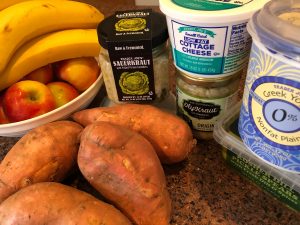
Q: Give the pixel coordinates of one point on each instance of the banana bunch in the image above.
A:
(34, 33)
(6, 3)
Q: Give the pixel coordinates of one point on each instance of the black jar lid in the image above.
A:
(158, 26)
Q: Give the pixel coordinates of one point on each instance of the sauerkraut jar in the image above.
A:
(201, 101)
(134, 56)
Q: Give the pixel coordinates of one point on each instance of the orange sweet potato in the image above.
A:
(123, 166)
(170, 136)
(46, 153)
(57, 204)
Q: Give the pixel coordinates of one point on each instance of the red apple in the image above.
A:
(80, 72)
(27, 99)
(62, 92)
(43, 74)
(3, 117)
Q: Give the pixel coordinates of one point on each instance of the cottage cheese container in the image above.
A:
(209, 37)
(269, 121)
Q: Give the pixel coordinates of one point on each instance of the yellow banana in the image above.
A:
(49, 48)
(6, 3)
(26, 20)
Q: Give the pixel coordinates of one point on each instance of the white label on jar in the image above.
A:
(210, 50)
(202, 114)
(211, 5)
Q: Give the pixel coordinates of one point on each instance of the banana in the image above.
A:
(26, 20)
(6, 3)
(49, 48)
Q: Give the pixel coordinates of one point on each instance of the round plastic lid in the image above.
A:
(239, 13)
(158, 26)
(277, 26)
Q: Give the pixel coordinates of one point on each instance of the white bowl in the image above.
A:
(18, 129)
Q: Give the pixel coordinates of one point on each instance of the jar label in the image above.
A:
(130, 53)
(211, 5)
(202, 114)
(210, 50)
(270, 116)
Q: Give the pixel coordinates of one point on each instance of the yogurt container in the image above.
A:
(209, 37)
(269, 122)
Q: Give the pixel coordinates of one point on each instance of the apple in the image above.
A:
(43, 74)
(3, 117)
(62, 92)
(80, 72)
(27, 99)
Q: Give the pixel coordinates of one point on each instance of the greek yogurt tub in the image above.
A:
(269, 122)
(209, 37)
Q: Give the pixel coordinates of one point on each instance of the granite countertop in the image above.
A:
(204, 190)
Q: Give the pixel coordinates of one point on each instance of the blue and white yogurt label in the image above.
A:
(210, 50)
(269, 122)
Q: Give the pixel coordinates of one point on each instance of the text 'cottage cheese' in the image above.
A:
(269, 122)
(209, 37)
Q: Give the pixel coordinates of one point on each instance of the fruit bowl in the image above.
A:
(18, 129)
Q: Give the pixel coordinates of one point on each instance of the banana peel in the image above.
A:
(24, 21)
(47, 49)
(7, 3)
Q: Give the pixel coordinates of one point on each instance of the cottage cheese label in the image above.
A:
(211, 4)
(210, 50)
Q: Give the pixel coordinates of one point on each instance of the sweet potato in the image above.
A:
(57, 204)
(123, 166)
(46, 153)
(170, 136)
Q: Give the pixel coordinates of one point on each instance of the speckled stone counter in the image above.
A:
(204, 190)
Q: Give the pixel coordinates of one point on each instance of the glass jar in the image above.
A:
(201, 101)
(160, 67)
(160, 59)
